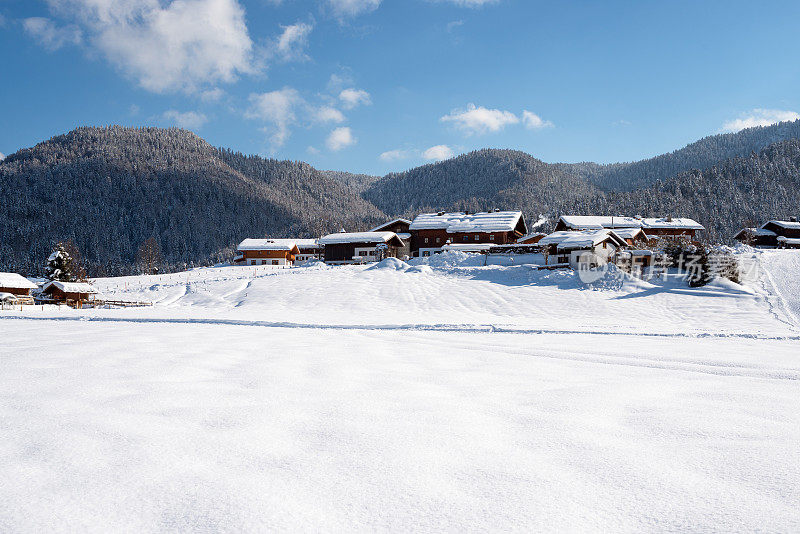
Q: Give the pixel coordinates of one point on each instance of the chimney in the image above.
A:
(792, 219)
(669, 218)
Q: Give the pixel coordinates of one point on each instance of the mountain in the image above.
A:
(109, 189)
(701, 154)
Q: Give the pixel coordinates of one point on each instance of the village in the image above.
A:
(634, 245)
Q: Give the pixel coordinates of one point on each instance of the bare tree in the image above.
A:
(148, 257)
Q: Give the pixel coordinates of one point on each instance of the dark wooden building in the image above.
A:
(772, 234)
(16, 284)
(431, 231)
(401, 228)
(360, 247)
(653, 227)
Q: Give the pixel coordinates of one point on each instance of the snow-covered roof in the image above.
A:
(530, 236)
(789, 240)
(672, 222)
(268, 244)
(73, 287)
(468, 247)
(595, 222)
(784, 224)
(628, 233)
(587, 239)
(555, 237)
(493, 221)
(357, 237)
(399, 219)
(404, 235)
(15, 281)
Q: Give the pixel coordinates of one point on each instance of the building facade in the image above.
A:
(431, 231)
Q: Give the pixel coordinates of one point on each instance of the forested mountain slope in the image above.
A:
(109, 189)
(701, 154)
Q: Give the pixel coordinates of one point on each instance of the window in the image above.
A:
(426, 253)
(263, 262)
(477, 237)
(426, 240)
(252, 262)
(466, 238)
(438, 239)
(274, 262)
(491, 237)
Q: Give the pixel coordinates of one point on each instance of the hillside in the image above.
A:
(109, 189)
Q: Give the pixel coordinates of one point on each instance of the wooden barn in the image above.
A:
(360, 247)
(69, 292)
(16, 284)
(430, 231)
(772, 234)
(267, 252)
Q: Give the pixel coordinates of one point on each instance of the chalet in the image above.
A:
(632, 235)
(430, 231)
(772, 234)
(652, 227)
(401, 228)
(267, 252)
(69, 292)
(309, 249)
(359, 247)
(531, 238)
(576, 248)
(16, 284)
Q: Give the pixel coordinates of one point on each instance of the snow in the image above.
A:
(390, 223)
(441, 396)
(593, 222)
(271, 244)
(15, 281)
(585, 239)
(494, 221)
(785, 224)
(73, 287)
(789, 240)
(357, 237)
(468, 247)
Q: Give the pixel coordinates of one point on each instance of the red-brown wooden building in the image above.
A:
(430, 231)
(16, 284)
(278, 252)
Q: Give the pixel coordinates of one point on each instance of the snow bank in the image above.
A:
(390, 264)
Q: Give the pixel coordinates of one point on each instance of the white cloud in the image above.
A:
(532, 121)
(340, 138)
(453, 25)
(480, 120)
(353, 97)
(759, 117)
(351, 8)
(327, 114)
(51, 36)
(438, 153)
(293, 41)
(167, 46)
(393, 155)
(312, 150)
(191, 120)
(212, 95)
(133, 110)
(277, 108)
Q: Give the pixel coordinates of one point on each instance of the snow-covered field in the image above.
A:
(448, 396)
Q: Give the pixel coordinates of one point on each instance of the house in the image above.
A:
(772, 234)
(430, 231)
(309, 249)
(69, 292)
(632, 235)
(531, 238)
(16, 284)
(653, 227)
(401, 228)
(359, 247)
(267, 252)
(581, 248)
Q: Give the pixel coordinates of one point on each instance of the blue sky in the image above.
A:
(383, 85)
